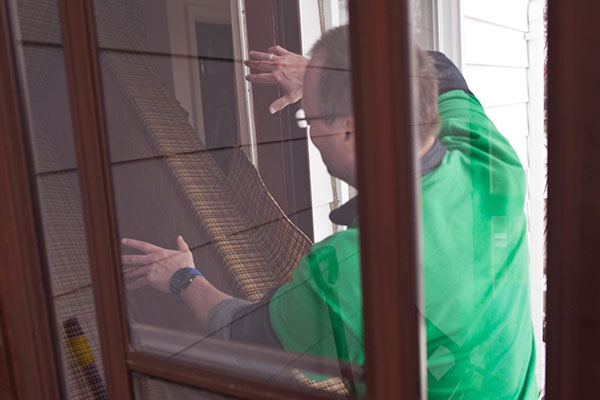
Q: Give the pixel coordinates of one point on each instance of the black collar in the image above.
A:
(346, 214)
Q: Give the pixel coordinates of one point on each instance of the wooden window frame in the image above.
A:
(573, 297)
(387, 186)
(28, 359)
(393, 344)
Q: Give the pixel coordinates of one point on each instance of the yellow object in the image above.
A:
(81, 349)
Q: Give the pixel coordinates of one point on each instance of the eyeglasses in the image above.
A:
(303, 121)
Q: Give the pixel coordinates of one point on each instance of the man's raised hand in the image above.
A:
(280, 67)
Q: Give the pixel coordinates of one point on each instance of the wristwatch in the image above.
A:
(181, 280)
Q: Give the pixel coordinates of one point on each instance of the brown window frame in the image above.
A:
(387, 208)
(28, 363)
(573, 296)
(27, 352)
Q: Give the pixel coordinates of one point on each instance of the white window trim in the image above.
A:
(450, 20)
(182, 16)
(537, 171)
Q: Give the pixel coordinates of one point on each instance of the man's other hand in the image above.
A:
(156, 265)
(280, 67)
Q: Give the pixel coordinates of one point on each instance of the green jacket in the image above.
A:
(480, 341)
(475, 267)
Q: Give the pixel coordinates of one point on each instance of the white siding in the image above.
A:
(505, 74)
(507, 13)
(495, 64)
(511, 120)
(490, 44)
(497, 86)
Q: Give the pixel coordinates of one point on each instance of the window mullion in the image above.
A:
(387, 185)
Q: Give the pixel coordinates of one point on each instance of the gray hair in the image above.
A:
(334, 91)
(334, 85)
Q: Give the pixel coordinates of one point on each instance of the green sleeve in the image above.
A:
(319, 311)
(466, 127)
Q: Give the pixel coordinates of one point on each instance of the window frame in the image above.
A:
(27, 352)
(388, 200)
(391, 322)
(573, 298)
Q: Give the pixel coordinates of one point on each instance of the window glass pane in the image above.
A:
(482, 197)
(208, 160)
(39, 48)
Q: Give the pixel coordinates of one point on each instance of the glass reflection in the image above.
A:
(218, 193)
(234, 236)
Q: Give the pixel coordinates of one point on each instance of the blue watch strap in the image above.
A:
(181, 280)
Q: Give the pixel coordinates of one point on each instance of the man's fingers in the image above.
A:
(137, 284)
(181, 244)
(141, 245)
(261, 78)
(130, 259)
(279, 51)
(138, 271)
(259, 55)
(265, 66)
(280, 104)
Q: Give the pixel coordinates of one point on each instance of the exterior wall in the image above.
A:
(495, 63)
(503, 65)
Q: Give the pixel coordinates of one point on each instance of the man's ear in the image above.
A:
(350, 131)
(349, 123)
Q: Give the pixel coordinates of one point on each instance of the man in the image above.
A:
(479, 331)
